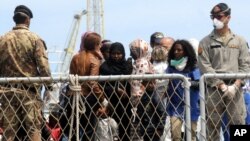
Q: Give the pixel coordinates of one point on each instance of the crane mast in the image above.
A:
(95, 16)
(95, 23)
(69, 50)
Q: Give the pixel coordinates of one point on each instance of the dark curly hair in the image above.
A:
(189, 52)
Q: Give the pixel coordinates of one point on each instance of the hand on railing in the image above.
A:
(229, 91)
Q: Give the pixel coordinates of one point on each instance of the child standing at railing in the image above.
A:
(107, 127)
(152, 113)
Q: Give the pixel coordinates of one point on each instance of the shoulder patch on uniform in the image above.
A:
(233, 46)
(200, 50)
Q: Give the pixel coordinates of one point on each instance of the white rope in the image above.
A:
(76, 89)
(74, 84)
(78, 92)
(72, 118)
(82, 107)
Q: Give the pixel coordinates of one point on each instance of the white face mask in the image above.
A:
(218, 24)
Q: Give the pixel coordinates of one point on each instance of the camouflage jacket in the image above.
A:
(23, 54)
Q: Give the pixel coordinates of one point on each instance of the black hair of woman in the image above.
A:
(189, 53)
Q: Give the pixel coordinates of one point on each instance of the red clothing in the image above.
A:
(56, 133)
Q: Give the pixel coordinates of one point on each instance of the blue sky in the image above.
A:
(126, 20)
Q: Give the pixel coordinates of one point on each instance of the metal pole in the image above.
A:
(91, 78)
(187, 107)
(202, 108)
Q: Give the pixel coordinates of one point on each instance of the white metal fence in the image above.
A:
(54, 111)
(214, 125)
(56, 57)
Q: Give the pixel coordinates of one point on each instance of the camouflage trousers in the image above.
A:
(20, 111)
(217, 106)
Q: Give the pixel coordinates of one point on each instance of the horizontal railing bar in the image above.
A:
(91, 78)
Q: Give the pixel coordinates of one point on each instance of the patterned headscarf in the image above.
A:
(139, 48)
(141, 65)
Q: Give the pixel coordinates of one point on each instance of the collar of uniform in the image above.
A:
(218, 37)
(20, 26)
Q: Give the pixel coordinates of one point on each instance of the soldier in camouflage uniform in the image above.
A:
(23, 54)
(222, 51)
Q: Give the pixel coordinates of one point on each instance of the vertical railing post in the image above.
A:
(187, 108)
(202, 109)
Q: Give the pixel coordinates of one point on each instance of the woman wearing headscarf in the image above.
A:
(105, 49)
(139, 51)
(118, 92)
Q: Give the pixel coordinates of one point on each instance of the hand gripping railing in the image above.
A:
(202, 95)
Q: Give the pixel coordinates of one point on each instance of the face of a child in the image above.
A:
(103, 112)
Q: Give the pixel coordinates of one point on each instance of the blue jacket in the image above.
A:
(176, 95)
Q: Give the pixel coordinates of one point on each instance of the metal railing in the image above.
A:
(204, 94)
(79, 79)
